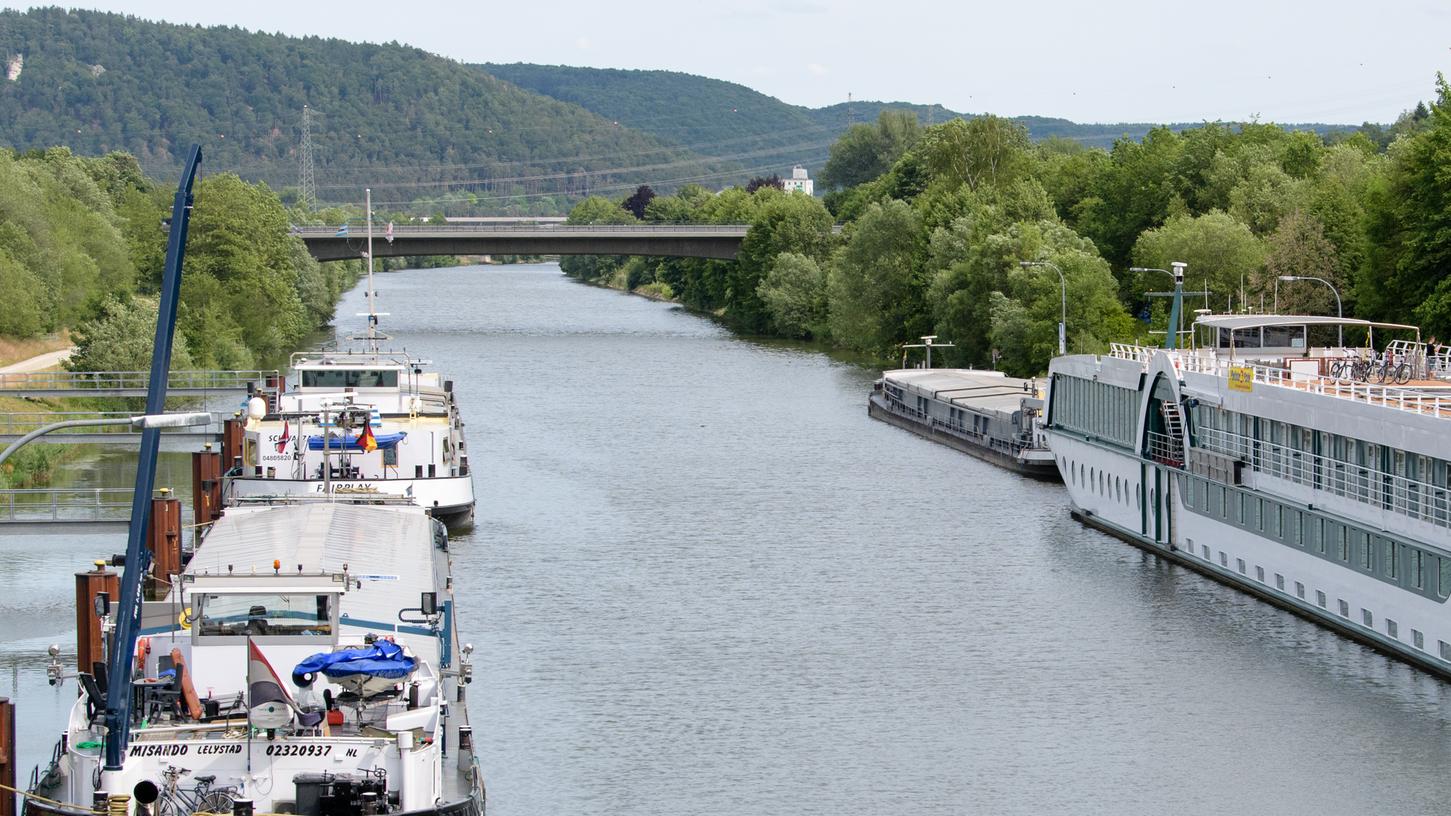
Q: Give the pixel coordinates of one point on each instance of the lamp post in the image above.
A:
(1339, 312)
(1175, 326)
(1063, 316)
(139, 422)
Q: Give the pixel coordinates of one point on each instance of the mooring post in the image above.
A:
(232, 439)
(7, 757)
(90, 642)
(164, 541)
(206, 485)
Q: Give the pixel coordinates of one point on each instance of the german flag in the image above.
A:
(366, 440)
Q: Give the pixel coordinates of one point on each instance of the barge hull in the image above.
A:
(1046, 472)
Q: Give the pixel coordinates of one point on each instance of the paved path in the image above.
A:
(39, 362)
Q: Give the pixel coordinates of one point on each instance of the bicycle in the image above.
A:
(178, 801)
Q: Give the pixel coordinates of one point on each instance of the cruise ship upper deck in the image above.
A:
(1277, 350)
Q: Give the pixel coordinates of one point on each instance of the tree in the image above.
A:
(983, 152)
(758, 182)
(1220, 251)
(1299, 247)
(638, 201)
(794, 291)
(875, 283)
(120, 336)
(865, 152)
(783, 223)
(1408, 268)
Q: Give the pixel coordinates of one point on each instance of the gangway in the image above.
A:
(127, 383)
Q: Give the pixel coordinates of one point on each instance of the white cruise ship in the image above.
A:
(1246, 460)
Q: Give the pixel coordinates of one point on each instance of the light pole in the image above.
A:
(139, 422)
(1339, 312)
(1063, 316)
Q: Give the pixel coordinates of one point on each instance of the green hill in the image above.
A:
(714, 118)
(99, 82)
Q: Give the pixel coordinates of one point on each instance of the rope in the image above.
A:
(39, 798)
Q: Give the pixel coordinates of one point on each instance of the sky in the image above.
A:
(1105, 61)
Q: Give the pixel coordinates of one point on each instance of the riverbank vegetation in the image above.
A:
(83, 243)
(939, 222)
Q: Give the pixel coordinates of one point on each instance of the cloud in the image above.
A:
(816, 69)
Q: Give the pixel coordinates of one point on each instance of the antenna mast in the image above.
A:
(372, 310)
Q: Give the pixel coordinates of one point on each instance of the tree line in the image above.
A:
(83, 243)
(937, 223)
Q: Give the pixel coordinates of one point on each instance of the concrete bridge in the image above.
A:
(721, 242)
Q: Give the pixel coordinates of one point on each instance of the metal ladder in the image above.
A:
(1173, 428)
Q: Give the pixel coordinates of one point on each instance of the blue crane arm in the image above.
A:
(128, 615)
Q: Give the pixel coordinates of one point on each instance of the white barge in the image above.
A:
(307, 661)
(310, 440)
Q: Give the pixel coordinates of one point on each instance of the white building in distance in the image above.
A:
(798, 181)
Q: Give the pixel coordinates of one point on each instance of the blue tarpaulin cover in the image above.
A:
(351, 442)
(382, 659)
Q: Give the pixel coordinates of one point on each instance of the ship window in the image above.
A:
(1320, 598)
(1417, 639)
(1367, 618)
(1445, 650)
(350, 378)
(1344, 608)
(1299, 590)
(1239, 562)
(1223, 559)
(1206, 553)
(1418, 572)
(1392, 629)
(1279, 582)
(1260, 574)
(1363, 544)
(1392, 559)
(262, 614)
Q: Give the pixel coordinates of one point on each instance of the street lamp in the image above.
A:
(1063, 317)
(1339, 312)
(139, 422)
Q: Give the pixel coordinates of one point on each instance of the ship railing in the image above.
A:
(1166, 449)
(1419, 500)
(1432, 400)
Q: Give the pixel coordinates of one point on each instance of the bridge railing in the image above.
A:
(358, 230)
(23, 422)
(130, 380)
(65, 504)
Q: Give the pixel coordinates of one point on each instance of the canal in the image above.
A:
(703, 581)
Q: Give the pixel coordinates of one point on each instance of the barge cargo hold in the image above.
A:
(983, 413)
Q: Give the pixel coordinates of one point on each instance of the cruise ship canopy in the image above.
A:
(1237, 322)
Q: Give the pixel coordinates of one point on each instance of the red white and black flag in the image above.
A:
(268, 705)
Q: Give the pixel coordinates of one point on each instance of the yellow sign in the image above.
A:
(1241, 378)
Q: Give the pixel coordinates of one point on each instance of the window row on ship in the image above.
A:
(1409, 483)
(1410, 566)
(1096, 409)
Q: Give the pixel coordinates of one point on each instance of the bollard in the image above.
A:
(206, 485)
(232, 438)
(164, 541)
(7, 757)
(90, 645)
